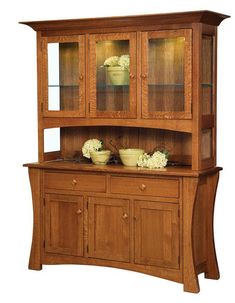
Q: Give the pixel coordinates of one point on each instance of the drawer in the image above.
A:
(80, 182)
(157, 187)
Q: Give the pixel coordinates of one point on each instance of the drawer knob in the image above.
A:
(125, 216)
(142, 187)
(79, 211)
(74, 182)
(81, 77)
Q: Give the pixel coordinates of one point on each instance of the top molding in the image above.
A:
(207, 17)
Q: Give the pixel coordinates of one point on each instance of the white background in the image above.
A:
(18, 127)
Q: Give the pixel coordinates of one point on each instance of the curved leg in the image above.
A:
(212, 270)
(190, 279)
(35, 255)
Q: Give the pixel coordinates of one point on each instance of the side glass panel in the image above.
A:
(166, 74)
(51, 139)
(63, 76)
(207, 75)
(112, 75)
(206, 145)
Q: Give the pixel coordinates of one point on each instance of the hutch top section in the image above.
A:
(148, 79)
(91, 24)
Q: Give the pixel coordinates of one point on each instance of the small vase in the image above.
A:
(100, 157)
(118, 76)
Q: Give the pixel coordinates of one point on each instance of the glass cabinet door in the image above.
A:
(112, 75)
(166, 74)
(64, 85)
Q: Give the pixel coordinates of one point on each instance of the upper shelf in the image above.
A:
(207, 17)
(126, 86)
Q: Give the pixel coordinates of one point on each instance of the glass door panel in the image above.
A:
(207, 74)
(166, 74)
(207, 143)
(112, 75)
(65, 76)
(112, 82)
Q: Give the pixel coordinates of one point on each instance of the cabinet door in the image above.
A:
(109, 228)
(63, 82)
(166, 74)
(156, 234)
(112, 75)
(64, 224)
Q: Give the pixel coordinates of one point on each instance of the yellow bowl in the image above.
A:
(100, 157)
(130, 156)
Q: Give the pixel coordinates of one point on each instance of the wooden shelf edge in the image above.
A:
(174, 125)
(182, 171)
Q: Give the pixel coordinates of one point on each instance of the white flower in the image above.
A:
(143, 159)
(91, 145)
(111, 61)
(157, 160)
(124, 62)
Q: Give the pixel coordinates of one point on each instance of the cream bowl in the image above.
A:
(130, 156)
(100, 157)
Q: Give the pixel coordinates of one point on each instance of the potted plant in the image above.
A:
(118, 69)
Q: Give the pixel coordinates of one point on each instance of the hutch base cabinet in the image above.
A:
(159, 224)
(155, 221)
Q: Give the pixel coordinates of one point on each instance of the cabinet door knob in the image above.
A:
(125, 216)
(144, 76)
(81, 77)
(132, 76)
(74, 182)
(79, 211)
(142, 187)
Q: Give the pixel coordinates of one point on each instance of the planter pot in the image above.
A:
(130, 156)
(100, 157)
(117, 75)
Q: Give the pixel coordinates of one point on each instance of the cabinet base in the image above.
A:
(197, 248)
(173, 275)
(166, 273)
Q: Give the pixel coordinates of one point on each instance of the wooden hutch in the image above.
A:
(160, 221)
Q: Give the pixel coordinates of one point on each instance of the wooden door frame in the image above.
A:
(65, 198)
(160, 206)
(92, 39)
(120, 202)
(80, 39)
(145, 36)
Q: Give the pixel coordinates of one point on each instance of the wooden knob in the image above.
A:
(79, 211)
(132, 76)
(74, 182)
(125, 216)
(144, 76)
(81, 77)
(142, 187)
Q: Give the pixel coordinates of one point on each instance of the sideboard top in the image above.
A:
(174, 171)
(205, 16)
